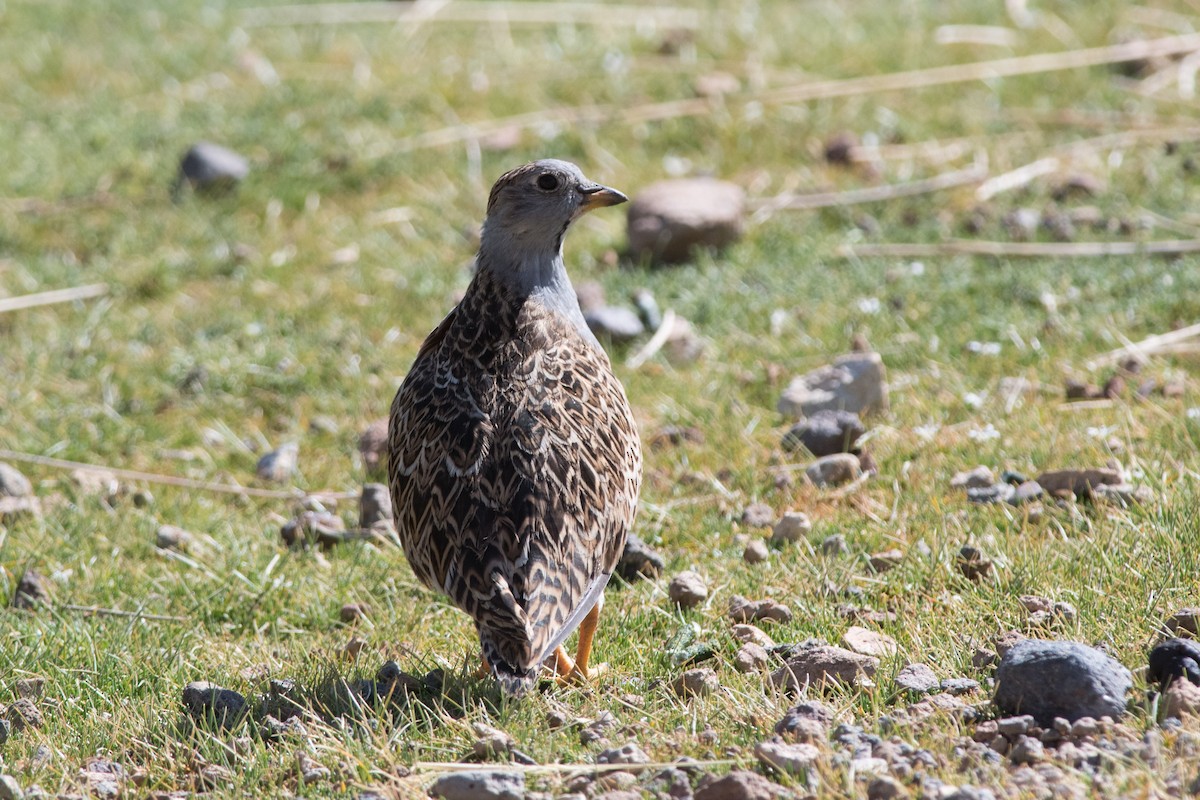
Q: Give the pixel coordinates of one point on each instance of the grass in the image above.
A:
(258, 289)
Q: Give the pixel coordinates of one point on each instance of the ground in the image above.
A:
(289, 308)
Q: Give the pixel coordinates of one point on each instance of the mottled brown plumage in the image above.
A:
(514, 460)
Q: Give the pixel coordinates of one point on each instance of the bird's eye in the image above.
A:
(547, 182)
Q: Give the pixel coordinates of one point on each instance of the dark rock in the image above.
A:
(834, 470)
(669, 219)
(480, 785)
(208, 166)
(1079, 482)
(675, 435)
(313, 527)
(10, 789)
(280, 464)
(614, 323)
(687, 589)
(887, 560)
(1184, 621)
(740, 785)
(639, 561)
(172, 537)
(743, 610)
(374, 506)
(33, 591)
(23, 714)
(373, 446)
(917, 678)
(806, 721)
(855, 383)
(1048, 679)
(840, 147)
(825, 433)
(353, 612)
(13, 483)
(816, 665)
(1174, 658)
(972, 563)
(206, 701)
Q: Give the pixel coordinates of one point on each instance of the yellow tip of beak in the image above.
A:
(598, 196)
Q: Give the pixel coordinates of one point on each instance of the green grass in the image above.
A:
(101, 100)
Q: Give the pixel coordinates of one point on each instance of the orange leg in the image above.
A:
(587, 632)
(484, 671)
(564, 667)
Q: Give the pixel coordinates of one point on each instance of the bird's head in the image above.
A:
(531, 207)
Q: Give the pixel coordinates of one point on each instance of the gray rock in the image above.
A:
(1174, 658)
(750, 657)
(917, 678)
(834, 545)
(479, 785)
(740, 785)
(374, 506)
(490, 742)
(792, 527)
(805, 718)
(280, 464)
(1027, 750)
(743, 610)
(867, 642)
(669, 219)
(206, 701)
(10, 789)
(756, 552)
(786, 757)
(687, 589)
(855, 382)
(696, 682)
(628, 753)
(1123, 494)
(752, 634)
(1048, 679)
(996, 493)
(639, 561)
(33, 591)
(23, 714)
(1027, 492)
(614, 323)
(373, 445)
(834, 470)
(816, 665)
(1015, 726)
(959, 686)
(758, 515)
(978, 478)
(210, 166)
(885, 787)
(313, 527)
(825, 433)
(13, 483)
(172, 537)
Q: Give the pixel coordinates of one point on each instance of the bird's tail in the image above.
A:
(514, 681)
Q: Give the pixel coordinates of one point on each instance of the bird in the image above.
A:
(514, 460)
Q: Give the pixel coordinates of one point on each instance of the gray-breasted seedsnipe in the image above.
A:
(514, 461)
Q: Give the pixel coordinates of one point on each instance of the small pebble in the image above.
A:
(756, 552)
(792, 526)
(687, 589)
(696, 683)
(750, 657)
(279, 465)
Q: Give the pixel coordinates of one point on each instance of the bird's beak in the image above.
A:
(597, 196)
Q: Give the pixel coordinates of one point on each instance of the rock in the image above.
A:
(1184, 621)
(675, 435)
(834, 470)
(1125, 495)
(207, 166)
(628, 753)
(996, 493)
(855, 382)
(639, 561)
(30, 688)
(959, 686)
(10, 789)
(490, 742)
(669, 219)
(868, 642)
(373, 446)
(313, 527)
(750, 657)
(758, 515)
(683, 345)
(805, 719)
(353, 612)
(687, 589)
(834, 545)
(696, 683)
(480, 785)
(1181, 698)
(793, 759)
(1026, 492)
(1022, 223)
(752, 634)
(1079, 482)
(1027, 750)
(614, 323)
(13, 508)
(311, 771)
(1015, 726)
(978, 478)
(13, 483)
(33, 591)
(5, 730)
(888, 559)
(739, 785)
(280, 464)
(815, 665)
(172, 537)
(825, 433)
(840, 147)
(374, 507)
(23, 714)
(206, 701)
(756, 552)
(885, 787)
(917, 678)
(96, 482)
(743, 610)
(792, 527)
(972, 563)
(1048, 679)
(1174, 658)
(647, 308)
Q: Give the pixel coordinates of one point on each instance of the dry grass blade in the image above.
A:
(51, 297)
(467, 11)
(1015, 179)
(794, 202)
(963, 247)
(458, 766)
(656, 341)
(99, 611)
(170, 480)
(1151, 344)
